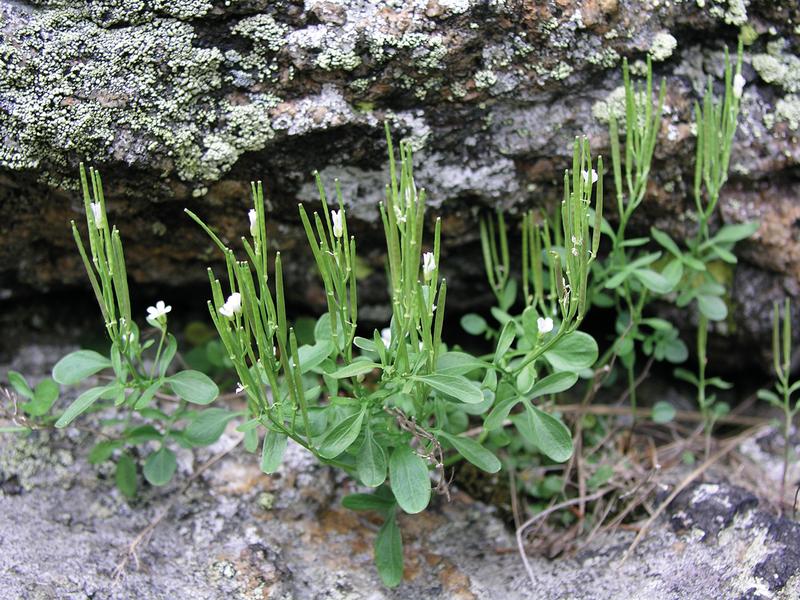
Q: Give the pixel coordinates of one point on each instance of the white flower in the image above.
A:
(586, 176)
(574, 251)
(428, 265)
(544, 325)
(239, 388)
(232, 306)
(253, 216)
(386, 336)
(401, 218)
(157, 315)
(738, 85)
(338, 230)
(98, 214)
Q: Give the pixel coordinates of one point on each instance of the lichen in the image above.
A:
(664, 44)
(778, 67)
(788, 109)
(614, 104)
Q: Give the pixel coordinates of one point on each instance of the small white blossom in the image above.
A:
(586, 176)
(157, 315)
(338, 229)
(239, 388)
(428, 265)
(401, 218)
(97, 213)
(544, 325)
(574, 251)
(253, 216)
(738, 85)
(386, 336)
(232, 306)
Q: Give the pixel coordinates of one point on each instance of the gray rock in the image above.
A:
(183, 103)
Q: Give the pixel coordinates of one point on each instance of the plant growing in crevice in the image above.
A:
(781, 398)
(137, 374)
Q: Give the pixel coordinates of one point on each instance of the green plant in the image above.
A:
(137, 375)
(35, 412)
(784, 388)
(392, 407)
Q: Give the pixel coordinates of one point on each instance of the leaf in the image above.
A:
(663, 412)
(459, 363)
(160, 466)
(207, 426)
(473, 452)
(553, 384)
(82, 403)
(456, 387)
(77, 366)
(125, 476)
(147, 395)
(509, 295)
(673, 273)
(574, 352)
(272, 451)
(44, 396)
(371, 461)
(167, 355)
(686, 376)
(653, 281)
(735, 233)
(504, 342)
(141, 434)
(411, 484)
(193, 386)
(19, 383)
(712, 307)
(473, 324)
(499, 413)
(342, 436)
(769, 396)
(389, 553)
(367, 502)
(355, 369)
(665, 241)
(676, 351)
(312, 356)
(251, 440)
(102, 451)
(549, 434)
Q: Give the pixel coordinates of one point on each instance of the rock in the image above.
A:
(182, 104)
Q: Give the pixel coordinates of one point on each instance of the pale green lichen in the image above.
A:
(788, 109)
(263, 30)
(614, 104)
(778, 67)
(562, 71)
(664, 44)
(606, 58)
(485, 79)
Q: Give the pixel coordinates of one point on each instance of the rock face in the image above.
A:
(183, 103)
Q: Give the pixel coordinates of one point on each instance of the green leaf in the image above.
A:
(160, 466)
(77, 366)
(44, 396)
(769, 396)
(504, 342)
(147, 395)
(459, 363)
(312, 356)
(473, 452)
(125, 476)
(500, 411)
(82, 403)
(653, 281)
(553, 384)
(167, 354)
(389, 553)
(193, 386)
(687, 376)
(371, 461)
(676, 351)
(21, 386)
(735, 233)
(367, 502)
(663, 412)
(455, 387)
(207, 426)
(355, 369)
(673, 273)
(574, 352)
(509, 295)
(142, 434)
(251, 440)
(712, 307)
(546, 432)
(342, 436)
(102, 451)
(409, 478)
(272, 451)
(666, 241)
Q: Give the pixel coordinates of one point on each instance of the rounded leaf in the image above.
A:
(160, 466)
(193, 386)
(77, 366)
(411, 484)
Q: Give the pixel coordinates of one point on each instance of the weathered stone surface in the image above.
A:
(238, 534)
(182, 103)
